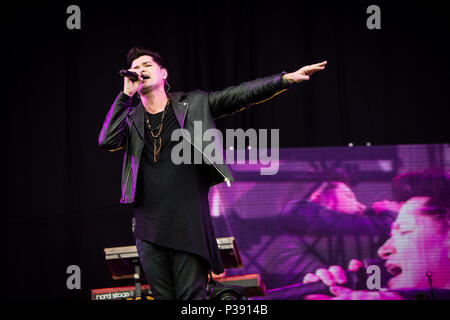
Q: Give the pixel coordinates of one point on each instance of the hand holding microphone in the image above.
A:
(133, 76)
(334, 280)
(319, 285)
(131, 81)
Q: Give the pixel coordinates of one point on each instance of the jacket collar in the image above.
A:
(180, 106)
(178, 102)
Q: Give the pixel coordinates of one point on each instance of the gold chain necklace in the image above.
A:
(156, 136)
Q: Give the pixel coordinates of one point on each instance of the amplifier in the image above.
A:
(252, 283)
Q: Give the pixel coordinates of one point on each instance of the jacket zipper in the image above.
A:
(126, 182)
(224, 178)
(129, 171)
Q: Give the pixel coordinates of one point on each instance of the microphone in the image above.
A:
(355, 281)
(429, 275)
(133, 76)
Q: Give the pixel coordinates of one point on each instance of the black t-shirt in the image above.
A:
(171, 205)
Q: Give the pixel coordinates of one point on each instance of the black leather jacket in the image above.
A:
(124, 124)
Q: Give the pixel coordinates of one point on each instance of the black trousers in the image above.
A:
(173, 274)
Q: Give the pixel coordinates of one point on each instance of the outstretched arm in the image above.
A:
(236, 98)
(303, 73)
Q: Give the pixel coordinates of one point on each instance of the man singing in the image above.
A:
(172, 224)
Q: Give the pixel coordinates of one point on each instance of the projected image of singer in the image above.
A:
(173, 228)
(330, 217)
(417, 255)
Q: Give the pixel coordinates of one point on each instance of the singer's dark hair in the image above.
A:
(431, 183)
(137, 52)
(427, 183)
(438, 208)
(438, 189)
(335, 175)
(331, 182)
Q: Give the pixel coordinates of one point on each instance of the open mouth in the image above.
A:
(393, 269)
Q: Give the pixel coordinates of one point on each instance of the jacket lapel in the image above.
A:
(137, 116)
(179, 106)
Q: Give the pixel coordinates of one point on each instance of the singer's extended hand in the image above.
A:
(334, 275)
(303, 73)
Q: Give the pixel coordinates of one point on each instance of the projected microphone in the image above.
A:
(355, 281)
(133, 76)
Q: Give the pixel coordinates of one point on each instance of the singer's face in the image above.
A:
(417, 245)
(343, 200)
(146, 65)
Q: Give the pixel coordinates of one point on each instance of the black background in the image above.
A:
(61, 204)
